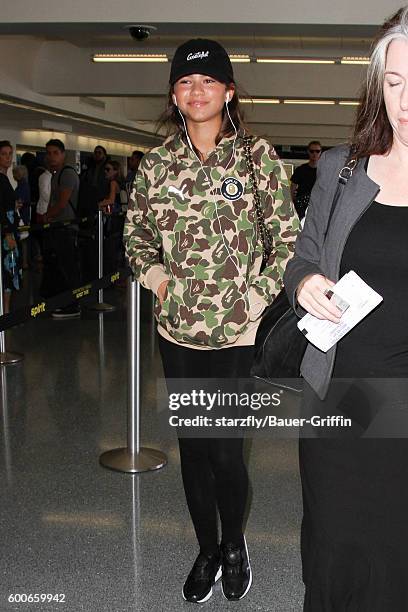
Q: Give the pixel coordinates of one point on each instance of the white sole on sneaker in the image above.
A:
(210, 592)
(250, 577)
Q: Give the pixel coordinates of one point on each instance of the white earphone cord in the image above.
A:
(226, 245)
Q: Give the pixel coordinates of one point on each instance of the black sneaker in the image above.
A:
(71, 312)
(204, 574)
(236, 571)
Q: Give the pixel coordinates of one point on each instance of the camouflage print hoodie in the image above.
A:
(215, 294)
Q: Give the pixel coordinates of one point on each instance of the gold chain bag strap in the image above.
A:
(262, 229)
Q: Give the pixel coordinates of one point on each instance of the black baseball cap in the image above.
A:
(201, 56)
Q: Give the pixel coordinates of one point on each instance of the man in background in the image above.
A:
(94, 175)
(304, 178)
(134, 161)
(61, 270)
(94, 187)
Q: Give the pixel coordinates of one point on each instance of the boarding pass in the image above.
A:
(354, 298)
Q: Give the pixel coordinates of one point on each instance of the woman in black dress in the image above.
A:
(8, 220)
(355, 494)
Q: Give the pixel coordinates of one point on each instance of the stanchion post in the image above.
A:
(6, 357)
(153, 329)
(100, 306)
(134, 367)
(134, 458)
(5, 423)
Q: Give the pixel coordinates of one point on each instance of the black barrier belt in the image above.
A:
(57, 224)
(53, 224)
(62, 299)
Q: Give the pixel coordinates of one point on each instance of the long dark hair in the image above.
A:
(373, 133)
(117, 166)
(170, 120)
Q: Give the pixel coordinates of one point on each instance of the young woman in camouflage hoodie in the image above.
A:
(191, 238)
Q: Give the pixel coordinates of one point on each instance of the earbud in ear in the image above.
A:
(175, 100)
(227, 98)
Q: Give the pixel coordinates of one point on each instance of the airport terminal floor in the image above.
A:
(113, 542)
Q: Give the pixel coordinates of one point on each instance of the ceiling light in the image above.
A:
(363, 61)
(240, 59)
(293, 60)
(259, 101)
(349, 103)
(130, 57)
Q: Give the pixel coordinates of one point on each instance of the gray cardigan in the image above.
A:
(316, 254)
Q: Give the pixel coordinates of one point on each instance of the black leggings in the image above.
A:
(213, 469)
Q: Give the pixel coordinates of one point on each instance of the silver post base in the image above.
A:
(121, 460)
(7, 358)
(101, 307)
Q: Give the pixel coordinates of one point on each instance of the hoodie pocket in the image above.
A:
(204, 313)
(257, 304)
(161, 309)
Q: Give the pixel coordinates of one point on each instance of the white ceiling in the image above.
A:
(45, 60)
(347, 12)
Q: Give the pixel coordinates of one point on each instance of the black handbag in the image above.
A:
(301, 203)
(279, 344)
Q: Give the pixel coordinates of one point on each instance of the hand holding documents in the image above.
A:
(354, 298)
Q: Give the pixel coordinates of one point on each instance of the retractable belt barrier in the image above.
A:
(57, 224)
(133, 458)
(61, 300)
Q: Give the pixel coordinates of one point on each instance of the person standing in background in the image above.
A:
(134, 161)
(115, 180)
(304, 177)
(93, 180)
(9, 234)
(61, 269)
(113, 221)
(23, 208)
(34, 169)
(44, 189)
(22, 192)
(94, 187)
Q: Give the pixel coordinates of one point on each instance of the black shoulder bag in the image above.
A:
(279, 344)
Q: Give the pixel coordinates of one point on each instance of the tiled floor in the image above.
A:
(113, 542)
